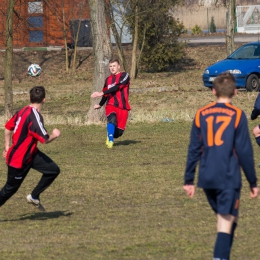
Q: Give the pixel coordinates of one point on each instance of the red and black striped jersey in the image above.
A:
(116, 91)
(220, 140)
(28, 128)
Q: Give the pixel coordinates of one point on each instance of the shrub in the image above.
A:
(212, 26)
(196, 30)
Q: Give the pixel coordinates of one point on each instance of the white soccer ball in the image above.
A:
(34, 70)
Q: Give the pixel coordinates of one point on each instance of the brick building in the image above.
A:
(40, 23)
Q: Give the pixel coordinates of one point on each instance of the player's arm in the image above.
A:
(256, 111)
(102, 95)
(55, 134)
(9, 128)
(244, 150)
(194, 153)
(7, 135)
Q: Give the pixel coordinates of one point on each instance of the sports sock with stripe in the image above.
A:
(110, 131)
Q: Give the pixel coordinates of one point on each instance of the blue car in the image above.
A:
(244, 64)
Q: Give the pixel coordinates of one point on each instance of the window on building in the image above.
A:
(35, 21)
(35, 7)
(36, 36)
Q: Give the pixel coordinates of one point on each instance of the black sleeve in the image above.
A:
(103, 101)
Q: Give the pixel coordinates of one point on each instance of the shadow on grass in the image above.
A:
(41, 216)
(126, 142)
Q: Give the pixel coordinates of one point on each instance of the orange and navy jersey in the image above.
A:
(116, 91)
(220, 141)
(28, 128)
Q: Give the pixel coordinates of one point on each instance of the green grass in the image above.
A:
(126, 202)
(120, 203)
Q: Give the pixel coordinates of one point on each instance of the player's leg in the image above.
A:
(15, 177)
(49, 170)
(111, 126)
(118, 132)
(122, 116)
(225, 229)
(228, 205)
(256, 133)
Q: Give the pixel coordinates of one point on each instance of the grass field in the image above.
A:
(126, 202)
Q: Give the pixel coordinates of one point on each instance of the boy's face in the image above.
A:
(114, 68)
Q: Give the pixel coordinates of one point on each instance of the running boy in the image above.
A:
(220, 141)
(27, 128)
(115, 93)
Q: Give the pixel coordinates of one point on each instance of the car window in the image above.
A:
(246, 52)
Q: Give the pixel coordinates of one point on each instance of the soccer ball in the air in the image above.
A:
(34, 70)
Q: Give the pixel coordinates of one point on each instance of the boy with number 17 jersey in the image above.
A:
(220, 141)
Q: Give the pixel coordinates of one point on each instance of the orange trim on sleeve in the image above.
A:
(239, 113)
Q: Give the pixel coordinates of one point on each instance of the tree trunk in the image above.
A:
(75, 47)
(65, 39)
(231, 18)
(102, 54)
(9, 61)
(133, 72)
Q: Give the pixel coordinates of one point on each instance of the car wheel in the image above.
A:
(252, 83)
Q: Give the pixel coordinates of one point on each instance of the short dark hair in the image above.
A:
(225, 85)
(37, 94)
(114, 60)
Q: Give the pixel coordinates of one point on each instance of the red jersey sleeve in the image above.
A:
(10, 125)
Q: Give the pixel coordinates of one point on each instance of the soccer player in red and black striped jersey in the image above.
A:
(115, 94)
(220, 141)
(25, 129)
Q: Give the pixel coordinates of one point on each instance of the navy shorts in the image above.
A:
(224, 202)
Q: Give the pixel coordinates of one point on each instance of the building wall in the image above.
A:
(40, 23)
(200, 15)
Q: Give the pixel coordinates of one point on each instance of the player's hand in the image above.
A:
(96, 94)
(4, 154)
(5, 151)
(254, 192)
(97, 106)
(190, 190)
(55, 132)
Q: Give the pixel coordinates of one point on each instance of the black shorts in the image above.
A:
(224, 202)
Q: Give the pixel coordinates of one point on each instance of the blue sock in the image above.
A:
(232, 233)
(110, 131)
(222, 246)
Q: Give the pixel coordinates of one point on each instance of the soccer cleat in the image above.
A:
(35, 202)
(110, 144)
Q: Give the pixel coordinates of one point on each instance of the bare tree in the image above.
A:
(133, 72)
(64, 11)
(102, 53)
(9, 61)
(117, 36)
(231, 18)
